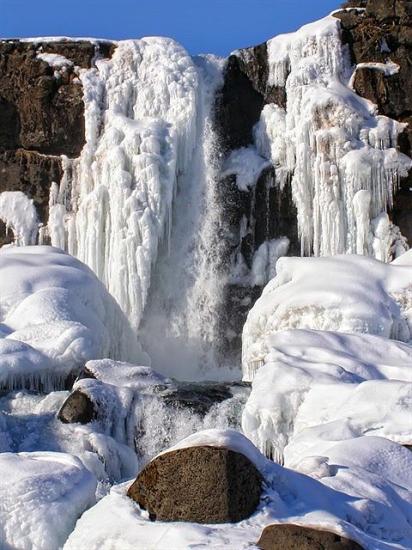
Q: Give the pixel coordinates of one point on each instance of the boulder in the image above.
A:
(198, 484)
(297, 537)
(78, 407)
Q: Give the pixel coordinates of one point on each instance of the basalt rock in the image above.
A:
(41, 115)
(382, 33)
(296, 537)
(198, 484)
(78, 407)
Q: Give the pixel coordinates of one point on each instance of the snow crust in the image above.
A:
(345, 293)
(54, 316)
(363, 498)
(330, 143)
(41, 497)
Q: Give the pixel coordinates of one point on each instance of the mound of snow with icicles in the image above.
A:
(41, 497)
(347, 293)
(363, 494)
(54, 316)
(317, 388)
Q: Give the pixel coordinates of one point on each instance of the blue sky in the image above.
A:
(202, 26)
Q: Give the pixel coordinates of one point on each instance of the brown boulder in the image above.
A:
(78, 407)
(296, 537)
(198, 484)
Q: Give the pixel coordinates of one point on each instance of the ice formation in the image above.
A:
(346, 293)
(330, 142)
(41, 497)
(54, 316)
(140, 114)
(140, 408)
(19, 215)
(373, 513)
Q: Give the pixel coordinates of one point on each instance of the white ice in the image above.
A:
(19, 215)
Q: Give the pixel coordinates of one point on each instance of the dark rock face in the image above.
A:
(198, 484)
(41, 115)
(294, 537)
(268, 209)
(78, 407)
(382, 33)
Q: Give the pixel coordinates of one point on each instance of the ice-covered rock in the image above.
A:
(146, 411)
(54, 316)
(41, 497)
(348, 293)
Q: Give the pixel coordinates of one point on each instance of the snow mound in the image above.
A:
(41, 497)
(343, 293)
(362, 498)
(54, 316)
(318, 387)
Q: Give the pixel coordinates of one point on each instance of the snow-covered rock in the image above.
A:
(348, 293)
(54, 316)
(41, 497)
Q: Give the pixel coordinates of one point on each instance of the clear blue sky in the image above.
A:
(202, 26)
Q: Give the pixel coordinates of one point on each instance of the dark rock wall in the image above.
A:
(381, 33)
(41, 115)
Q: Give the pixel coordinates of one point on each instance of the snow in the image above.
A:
(388, 69)
(361, 497)
(330, 143)
(246, 164)
(316, 387)
(41, 497)
(345, 293)
(55, 60)
(54, 316)
(18, 213)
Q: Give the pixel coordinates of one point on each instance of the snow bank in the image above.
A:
(343, 293)
(41, 497)
(365, 499)
(317, 388)
(330, 143)
(54, 316)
